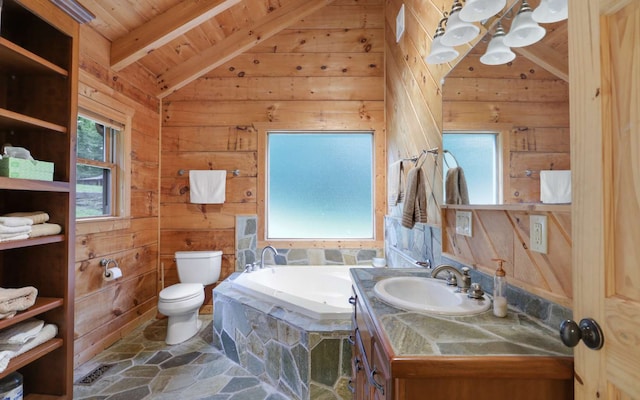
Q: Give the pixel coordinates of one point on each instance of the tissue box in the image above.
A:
(26, 169)
(555, 187)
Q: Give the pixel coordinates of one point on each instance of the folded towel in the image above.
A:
(38, 217)
(13, 236)
(4, 229)
(15, 221)
(45, 229)
(22, 332)
(14, 300)
(415, 202)
(207, 187)
(396, 183)
(456, 186)
(7, 352)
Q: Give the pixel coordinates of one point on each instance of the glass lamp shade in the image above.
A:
(497, 52)
(478, 10)
(550, 11)
(458, 31)
(440, 53)
(524, 31)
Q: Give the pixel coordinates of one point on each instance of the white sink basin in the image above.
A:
(428, 295)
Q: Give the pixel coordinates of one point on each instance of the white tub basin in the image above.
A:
(428, 295)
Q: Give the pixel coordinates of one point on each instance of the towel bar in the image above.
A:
(235, 172)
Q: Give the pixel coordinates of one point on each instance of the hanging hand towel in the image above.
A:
(396, 183)
(415, 202)
(456, 186)
(207, 187)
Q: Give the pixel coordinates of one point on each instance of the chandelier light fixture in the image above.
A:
(440, 53)
(458, 32)
(524, 30)
(497, 52)
(550, 11)
(480, 10)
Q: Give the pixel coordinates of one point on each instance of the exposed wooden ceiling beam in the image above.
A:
(236, 43)
(548, 58)
(167, 26)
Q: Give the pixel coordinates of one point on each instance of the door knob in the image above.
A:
(588, 330)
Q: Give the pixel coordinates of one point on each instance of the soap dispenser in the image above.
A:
(500, 290)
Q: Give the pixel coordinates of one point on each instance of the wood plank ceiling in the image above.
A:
(179, 40)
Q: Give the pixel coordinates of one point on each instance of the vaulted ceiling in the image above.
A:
(180, 40)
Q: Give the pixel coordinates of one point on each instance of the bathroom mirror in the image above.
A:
(524, 103)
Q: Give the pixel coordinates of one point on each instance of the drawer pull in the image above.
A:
(352, 300)
(375, 384)
(351, 340)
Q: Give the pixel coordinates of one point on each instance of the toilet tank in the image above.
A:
(198, 266)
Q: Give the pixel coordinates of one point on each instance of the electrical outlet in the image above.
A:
(538, 233)
(463, 223)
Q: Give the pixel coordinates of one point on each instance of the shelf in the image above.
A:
(33, 185)
(22, 60)
(42, 305)
(17, 244)
(31, 355)
(11, 120)
(511, 207)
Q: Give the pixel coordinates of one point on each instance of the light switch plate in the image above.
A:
(400, 23)
(463, 223)
(538, 233)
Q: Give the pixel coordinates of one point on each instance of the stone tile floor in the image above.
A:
(142, 366)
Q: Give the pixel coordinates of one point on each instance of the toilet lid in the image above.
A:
(181, 291)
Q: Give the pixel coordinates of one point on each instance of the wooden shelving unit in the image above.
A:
(38, 109)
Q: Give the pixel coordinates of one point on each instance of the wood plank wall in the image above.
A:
(105, 311)
(327, 70)
(526, 104)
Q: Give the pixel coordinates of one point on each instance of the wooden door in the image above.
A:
(604, 52)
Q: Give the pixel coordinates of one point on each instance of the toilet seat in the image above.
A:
(180, 292)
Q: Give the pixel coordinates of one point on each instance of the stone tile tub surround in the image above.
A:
(304, 358)
(414, 333)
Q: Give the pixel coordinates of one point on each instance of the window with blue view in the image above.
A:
(319, 185)
(477, 154)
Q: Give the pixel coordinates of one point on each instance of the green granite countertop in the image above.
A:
(413, 333)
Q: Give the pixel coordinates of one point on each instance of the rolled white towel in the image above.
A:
(38, 217)
(7, 352)
(13, 236)
(15, 229)
(22, 332)
(15, 221)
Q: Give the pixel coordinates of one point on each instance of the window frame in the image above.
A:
(112, 113)
(379, 187)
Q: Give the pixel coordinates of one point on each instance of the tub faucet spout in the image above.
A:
(264, 250)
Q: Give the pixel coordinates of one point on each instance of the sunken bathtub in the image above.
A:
(289, 326)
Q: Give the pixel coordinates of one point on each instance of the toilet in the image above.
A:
(181, 302)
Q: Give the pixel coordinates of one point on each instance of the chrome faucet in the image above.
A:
(264, 250)
(454, 276)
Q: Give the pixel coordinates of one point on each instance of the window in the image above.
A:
(477, 154)
(319, 185)
(102, 161)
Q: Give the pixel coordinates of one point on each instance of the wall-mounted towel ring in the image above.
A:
(444, 157)
(235, 172)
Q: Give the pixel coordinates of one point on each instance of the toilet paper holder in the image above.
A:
(105, 263)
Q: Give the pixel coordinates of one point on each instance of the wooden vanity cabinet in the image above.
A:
(380, 374)
(38, 111)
